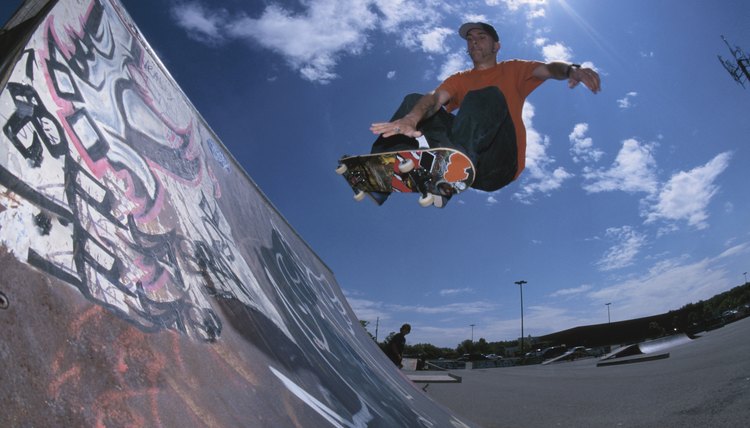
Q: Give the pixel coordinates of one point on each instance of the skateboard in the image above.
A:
(436, 174)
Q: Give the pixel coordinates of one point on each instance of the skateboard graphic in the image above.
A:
(436, 174)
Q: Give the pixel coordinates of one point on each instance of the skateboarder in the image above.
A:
(395, 347)
(490, 96)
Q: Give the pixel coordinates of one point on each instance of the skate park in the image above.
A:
(695, 382)
(148, 281)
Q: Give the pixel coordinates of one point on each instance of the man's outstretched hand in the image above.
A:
(587, 76)
(399, 126)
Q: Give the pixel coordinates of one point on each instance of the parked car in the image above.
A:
(533, 354)
(730, 315)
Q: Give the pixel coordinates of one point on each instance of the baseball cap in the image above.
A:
(489, 29)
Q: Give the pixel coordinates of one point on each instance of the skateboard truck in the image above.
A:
(422, 179)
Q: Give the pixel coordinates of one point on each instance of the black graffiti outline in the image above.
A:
(150, 315)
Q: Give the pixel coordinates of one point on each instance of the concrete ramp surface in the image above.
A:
(663, 343)
(649, 346)
(145, 279)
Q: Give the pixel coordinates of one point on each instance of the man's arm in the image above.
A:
(574, 73)
(428, 105)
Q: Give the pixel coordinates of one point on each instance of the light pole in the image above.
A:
(609, 320)
(745, 273)
(520, 287)
(472, 332)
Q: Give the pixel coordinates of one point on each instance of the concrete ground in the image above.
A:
(703, 383)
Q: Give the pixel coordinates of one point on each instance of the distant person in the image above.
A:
(488, 127)
(395, 347)
(421, 362)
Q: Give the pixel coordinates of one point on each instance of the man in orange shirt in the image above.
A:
(490, 97)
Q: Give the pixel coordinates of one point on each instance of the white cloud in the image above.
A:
(201, 24)
(539, 175)
(397, 12)
(454, 63)
(634, 170)
(474, 18)
(454, 291)
(626, 102)
(367, 310)
(542, 319)
(434, 40)
(582, 147)
(557, 52)
(391, 75)
(571, 291)
(313, 40)
(465, 308)
(669, 284)
(534, 8)
(685, 197)
(514, 5)
(536, 14)
(622, 254)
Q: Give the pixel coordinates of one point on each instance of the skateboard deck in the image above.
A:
(432, 173)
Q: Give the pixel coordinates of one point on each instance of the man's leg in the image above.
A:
(484, 129)
(436, 130)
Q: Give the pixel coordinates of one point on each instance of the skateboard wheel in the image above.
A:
(427, 200)
(341, 169)
(406, 166)
(359, 196)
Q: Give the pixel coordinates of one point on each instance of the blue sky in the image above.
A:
(636, 196)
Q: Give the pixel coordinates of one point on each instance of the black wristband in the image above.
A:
(570, 68)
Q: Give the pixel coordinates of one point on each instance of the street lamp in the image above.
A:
(609, 320)
(520, 287)
(472, 332)
(745, 273)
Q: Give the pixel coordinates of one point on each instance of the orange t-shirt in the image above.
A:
(514, 78)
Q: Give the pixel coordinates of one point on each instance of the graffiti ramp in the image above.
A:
(145, 279)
